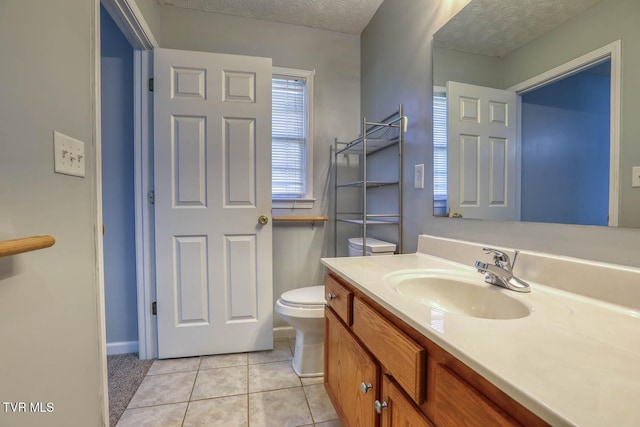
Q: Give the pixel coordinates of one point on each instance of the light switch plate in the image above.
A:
(68, 155)
(418, 177)
(635, 179)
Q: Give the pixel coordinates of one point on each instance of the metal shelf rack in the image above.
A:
(375, 137)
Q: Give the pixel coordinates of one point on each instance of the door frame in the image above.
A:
(613, 52)
(144, 214)
(130, 21)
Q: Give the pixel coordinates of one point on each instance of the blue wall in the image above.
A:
(117, 183)
(565, 151)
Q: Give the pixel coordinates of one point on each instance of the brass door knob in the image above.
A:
(263, 220)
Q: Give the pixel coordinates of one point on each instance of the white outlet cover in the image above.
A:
(635, 179)
(418, 178)
(68, 155)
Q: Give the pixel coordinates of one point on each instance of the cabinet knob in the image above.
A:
(379, 406)
(365, 387)
(331, 296)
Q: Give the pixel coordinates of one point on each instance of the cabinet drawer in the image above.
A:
(403, 359)
(341, 301)
(457, 403)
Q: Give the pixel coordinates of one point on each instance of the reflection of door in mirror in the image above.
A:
(562, 169)
(481, 152)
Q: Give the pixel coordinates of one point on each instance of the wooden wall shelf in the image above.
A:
(25, 244)
(300, 218)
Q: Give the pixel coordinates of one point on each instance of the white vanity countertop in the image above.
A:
(573, 361)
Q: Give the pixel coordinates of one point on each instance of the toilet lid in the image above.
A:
(302, 297)
(373, 245)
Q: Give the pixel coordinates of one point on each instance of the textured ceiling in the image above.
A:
(346, 16)
(497, 27)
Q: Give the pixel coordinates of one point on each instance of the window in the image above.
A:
(291, 152)
(439, 146)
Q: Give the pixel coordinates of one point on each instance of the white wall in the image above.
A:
(150, 9)
(118, 185)
(336, 59)
(397, 67)
(48, 299)
(463, 67)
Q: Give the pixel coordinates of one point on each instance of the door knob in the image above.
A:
(263, 219)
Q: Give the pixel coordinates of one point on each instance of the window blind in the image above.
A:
(289, 138)
(440, 147)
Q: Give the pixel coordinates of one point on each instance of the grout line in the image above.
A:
(191, 394)
(158, 405)
(248, 401)
(184, 417)
(306, 398)
(276, 389)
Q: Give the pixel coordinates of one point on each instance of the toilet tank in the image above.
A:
(374, 247)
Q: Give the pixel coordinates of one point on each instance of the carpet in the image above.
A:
(125, 372)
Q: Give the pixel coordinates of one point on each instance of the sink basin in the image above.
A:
(462, 294)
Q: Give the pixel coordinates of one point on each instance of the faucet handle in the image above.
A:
(501, 259)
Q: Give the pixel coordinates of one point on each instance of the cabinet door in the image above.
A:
(347, 367)
(457, 403)
(398, 410)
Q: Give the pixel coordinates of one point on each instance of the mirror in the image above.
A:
(551, 71)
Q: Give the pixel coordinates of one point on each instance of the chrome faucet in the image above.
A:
(500, 273)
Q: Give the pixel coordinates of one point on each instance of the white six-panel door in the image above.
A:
(212, 170)
(481, 152)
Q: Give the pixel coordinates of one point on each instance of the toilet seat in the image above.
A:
(308, 297)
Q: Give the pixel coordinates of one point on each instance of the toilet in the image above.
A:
(303, 309)
(374, 247)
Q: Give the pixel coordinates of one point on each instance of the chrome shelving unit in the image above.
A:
(375, 137)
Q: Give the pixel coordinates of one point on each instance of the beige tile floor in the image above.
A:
(248, 389)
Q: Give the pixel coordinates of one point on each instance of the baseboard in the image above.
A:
(282, 332)
(122, 347)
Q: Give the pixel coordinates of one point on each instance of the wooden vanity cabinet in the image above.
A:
(398, 411)
(347, 366)
(400, 355)
(372, 358)
(456, 403)
(340, 299)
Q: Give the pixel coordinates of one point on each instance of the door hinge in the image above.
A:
(152, 197)
(151, 84)
(154, 308)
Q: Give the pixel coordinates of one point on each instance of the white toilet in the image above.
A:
(374, 247)
(303, 309)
